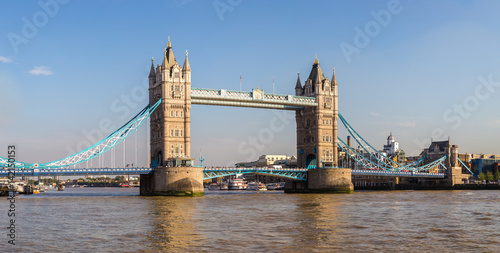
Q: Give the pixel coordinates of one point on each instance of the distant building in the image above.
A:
(393, 151)
(267, 160)
(435, 151)
(484, 165)
(400, 156)
(392, 146)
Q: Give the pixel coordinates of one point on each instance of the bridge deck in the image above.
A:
(250, 99)
(77, 172)
(213, 172)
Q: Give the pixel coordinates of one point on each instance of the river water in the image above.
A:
(118, 220)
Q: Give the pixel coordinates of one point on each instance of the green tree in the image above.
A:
(481, 176)
(497, 175)
(489, 176)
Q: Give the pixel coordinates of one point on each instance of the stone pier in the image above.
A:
(332, 180)
(173, 181)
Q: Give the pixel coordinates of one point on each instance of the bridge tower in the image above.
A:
(170, 139)
(317, 137)
(170, 124)
(317, 126)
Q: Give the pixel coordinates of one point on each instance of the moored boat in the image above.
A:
(254, 186)
(275, 186)
(214, 186)
(60, 187)
(223, 186)
(237, 184)
(262, 187)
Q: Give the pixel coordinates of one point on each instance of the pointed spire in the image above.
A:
(170, 54)
(298, 85)
(152, 71)
(186, 66)
(334, 79)
(165, 59)
(316, 74)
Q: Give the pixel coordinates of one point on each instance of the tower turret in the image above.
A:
(298, 86)
(152, 72)
(164, 65)
(334, 79)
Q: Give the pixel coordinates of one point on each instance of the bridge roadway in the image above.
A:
(213, 172)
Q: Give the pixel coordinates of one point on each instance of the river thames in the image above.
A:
(117, 219)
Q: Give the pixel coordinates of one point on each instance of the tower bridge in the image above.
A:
(316, 111)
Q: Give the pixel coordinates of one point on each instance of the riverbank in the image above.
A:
(386, 187)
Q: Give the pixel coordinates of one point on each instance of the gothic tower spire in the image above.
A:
(170, 54)
(152, 72)
(298, 86)
(316, 75)
(165, 59)
(334, 79)
(186, 66)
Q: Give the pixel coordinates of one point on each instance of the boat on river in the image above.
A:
(223, 186)
(275, 186)
(237, 184)
(254, 186)
(214, 186)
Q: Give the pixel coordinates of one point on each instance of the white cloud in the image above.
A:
(406, 123)
(400, 123)
(5, 59)
(41, 70)
(493, 123)
(378, 115)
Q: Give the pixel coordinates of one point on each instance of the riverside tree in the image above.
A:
(489, 176)
(481, 176)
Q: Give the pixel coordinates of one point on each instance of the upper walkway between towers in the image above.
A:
(254, 98)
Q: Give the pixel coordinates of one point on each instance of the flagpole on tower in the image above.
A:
(273, 85)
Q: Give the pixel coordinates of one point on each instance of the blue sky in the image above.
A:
(431, 70)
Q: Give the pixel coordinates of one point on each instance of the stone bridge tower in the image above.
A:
(170, 123)
(170, 131)
(317, 126)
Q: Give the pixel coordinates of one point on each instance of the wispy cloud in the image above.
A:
(5, 59)
(399, 123)
(41, 70)
(493, 123)
(406, 123)
(378, 115)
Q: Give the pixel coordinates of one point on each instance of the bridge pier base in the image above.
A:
(323, 181)
(173, 181)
